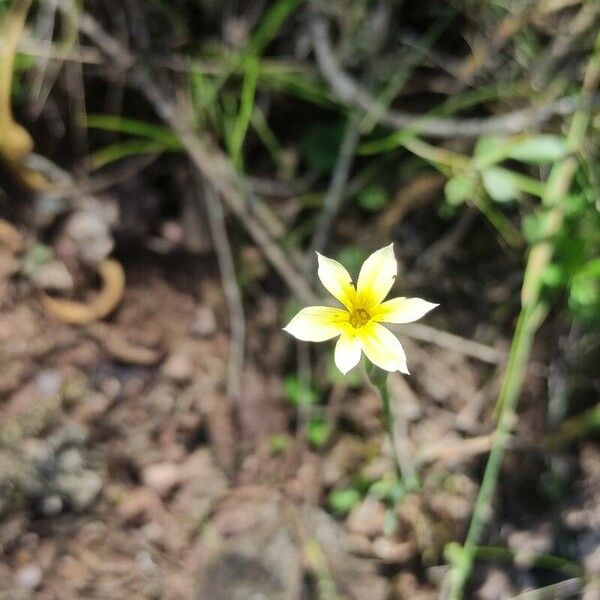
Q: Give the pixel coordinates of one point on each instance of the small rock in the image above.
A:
(139, 506)
(390, 551)
(496, 585)
(153, 532)
(530, 542)
(367, 518)
(179, 367)
(51, 505)
(52, 275)
(407, 586)
(70, 460)
(91, 235)
(80, 489)
(161, 477)
(172, 232)
(360, 545)
(49, 381)
(205, 323)
(29, 577)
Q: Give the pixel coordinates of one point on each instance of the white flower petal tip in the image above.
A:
(403, 310)
(317, 323)
(383, 348)
(336, 280)
(377, 275)
(347, 352)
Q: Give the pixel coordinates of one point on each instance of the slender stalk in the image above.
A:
(404, 468)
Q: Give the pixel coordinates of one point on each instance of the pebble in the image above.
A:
(139, 505)
(29, 577)
(51, 505)
(81, 489)
(91, 235)
(52, 275)
(71, 460)
(205, 323)
(389, 551)
(367, 518)
(179, 367)
(161, 477)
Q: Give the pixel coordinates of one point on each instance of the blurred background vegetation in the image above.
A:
(167, 170)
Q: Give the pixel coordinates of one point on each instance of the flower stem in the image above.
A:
(378, 378)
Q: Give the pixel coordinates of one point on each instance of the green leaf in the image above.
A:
(35, 257)
(279, 443)
(382, 489)
(115, 152)
(390, 522)
(133, 127)
(344, 500)
(318, 432)
(238, 134)
(499, 184)
(459, 189)
(373, 198)
(554, 276)
(591, 269)
(270, 23)
(297, 393)
(584, 291)
(539, 149)
(488, 145)
(538, 227)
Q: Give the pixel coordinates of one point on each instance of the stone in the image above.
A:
(367, 518)
(205, 323)
(179, 367)
(29, 577)
(161, 477)
(79, 489)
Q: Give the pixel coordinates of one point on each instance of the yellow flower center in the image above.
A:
(359, 317)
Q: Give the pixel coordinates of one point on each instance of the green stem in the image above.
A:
(378, 378)
(529, 320)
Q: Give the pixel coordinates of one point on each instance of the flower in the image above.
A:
(358, 325)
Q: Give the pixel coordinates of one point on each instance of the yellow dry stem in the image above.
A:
(15, 141)
(80, 313)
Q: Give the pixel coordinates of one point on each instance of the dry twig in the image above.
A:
(350, 92)
(216, 219)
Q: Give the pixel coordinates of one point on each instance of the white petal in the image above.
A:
(318, 323)
(383, 348)
(402, 310)
(347, 352)
(337, 280)
(377, 276)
